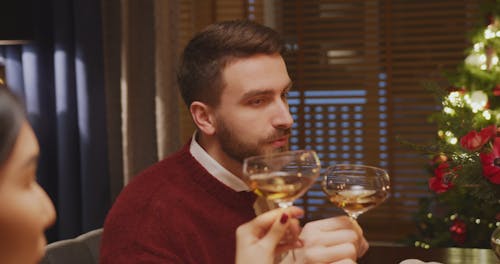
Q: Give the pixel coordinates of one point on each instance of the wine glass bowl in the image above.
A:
(282, 177)
(355, 188)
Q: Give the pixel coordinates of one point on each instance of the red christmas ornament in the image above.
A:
(496, 90)
(458, 231)
(439, 158)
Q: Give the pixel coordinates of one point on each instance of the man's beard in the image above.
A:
(239, 150)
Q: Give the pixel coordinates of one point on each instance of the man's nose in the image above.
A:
(283, 119)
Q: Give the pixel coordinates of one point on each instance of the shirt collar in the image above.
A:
(214, 168)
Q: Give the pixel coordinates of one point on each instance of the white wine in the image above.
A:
(356, 188)
(356, 201)
(279, 186)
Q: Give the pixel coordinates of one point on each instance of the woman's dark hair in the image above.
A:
(12, 116)
(207, 54)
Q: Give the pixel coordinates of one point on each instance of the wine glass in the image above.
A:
(283, 176)
(355, 188)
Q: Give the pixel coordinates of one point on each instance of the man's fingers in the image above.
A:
(363, 248)
(332, 254)
(287, 247)
(338, 222)
(326, 236)
(345, 261)
(333, 238)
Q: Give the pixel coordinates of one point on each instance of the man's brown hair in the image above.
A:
(206, 55)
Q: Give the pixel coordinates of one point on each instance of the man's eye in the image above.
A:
(284, 95)
(258, 101)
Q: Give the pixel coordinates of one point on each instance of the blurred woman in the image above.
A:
(25, 209)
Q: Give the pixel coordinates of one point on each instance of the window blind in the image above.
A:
(358, 69)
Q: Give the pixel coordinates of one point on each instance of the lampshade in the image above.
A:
(16, 22)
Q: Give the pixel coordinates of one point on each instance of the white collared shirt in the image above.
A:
(214, 168)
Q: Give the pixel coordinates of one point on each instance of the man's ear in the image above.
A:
(203, 117)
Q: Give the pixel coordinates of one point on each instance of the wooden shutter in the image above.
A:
(358, 68)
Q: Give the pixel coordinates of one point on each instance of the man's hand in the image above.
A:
(333, 240)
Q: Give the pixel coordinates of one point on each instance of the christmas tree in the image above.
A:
(465, 159)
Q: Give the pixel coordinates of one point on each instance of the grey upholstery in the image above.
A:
(83, 249)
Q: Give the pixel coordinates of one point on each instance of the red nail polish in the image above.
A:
(284, 218)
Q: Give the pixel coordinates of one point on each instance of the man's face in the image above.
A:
(253, 116)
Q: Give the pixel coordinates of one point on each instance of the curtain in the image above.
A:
(60, 77)
(141, 50)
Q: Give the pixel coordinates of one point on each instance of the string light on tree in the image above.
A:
(490, 32)
(487, 115)
(450, 137)
(449, 110)
(476, 59)
(454, 99)
(476, 100)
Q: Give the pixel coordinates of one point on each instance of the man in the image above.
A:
(186, 208)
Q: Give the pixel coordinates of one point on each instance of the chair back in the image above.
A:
(83, 249)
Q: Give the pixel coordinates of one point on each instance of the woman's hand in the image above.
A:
(268, 235)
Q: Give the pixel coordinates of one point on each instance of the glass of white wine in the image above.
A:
(356, 188)
(283, 176)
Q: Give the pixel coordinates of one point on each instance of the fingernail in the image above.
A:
(284, 218)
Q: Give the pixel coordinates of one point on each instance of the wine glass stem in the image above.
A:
(286, 205)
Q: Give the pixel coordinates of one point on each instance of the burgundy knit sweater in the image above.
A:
(175, 212)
